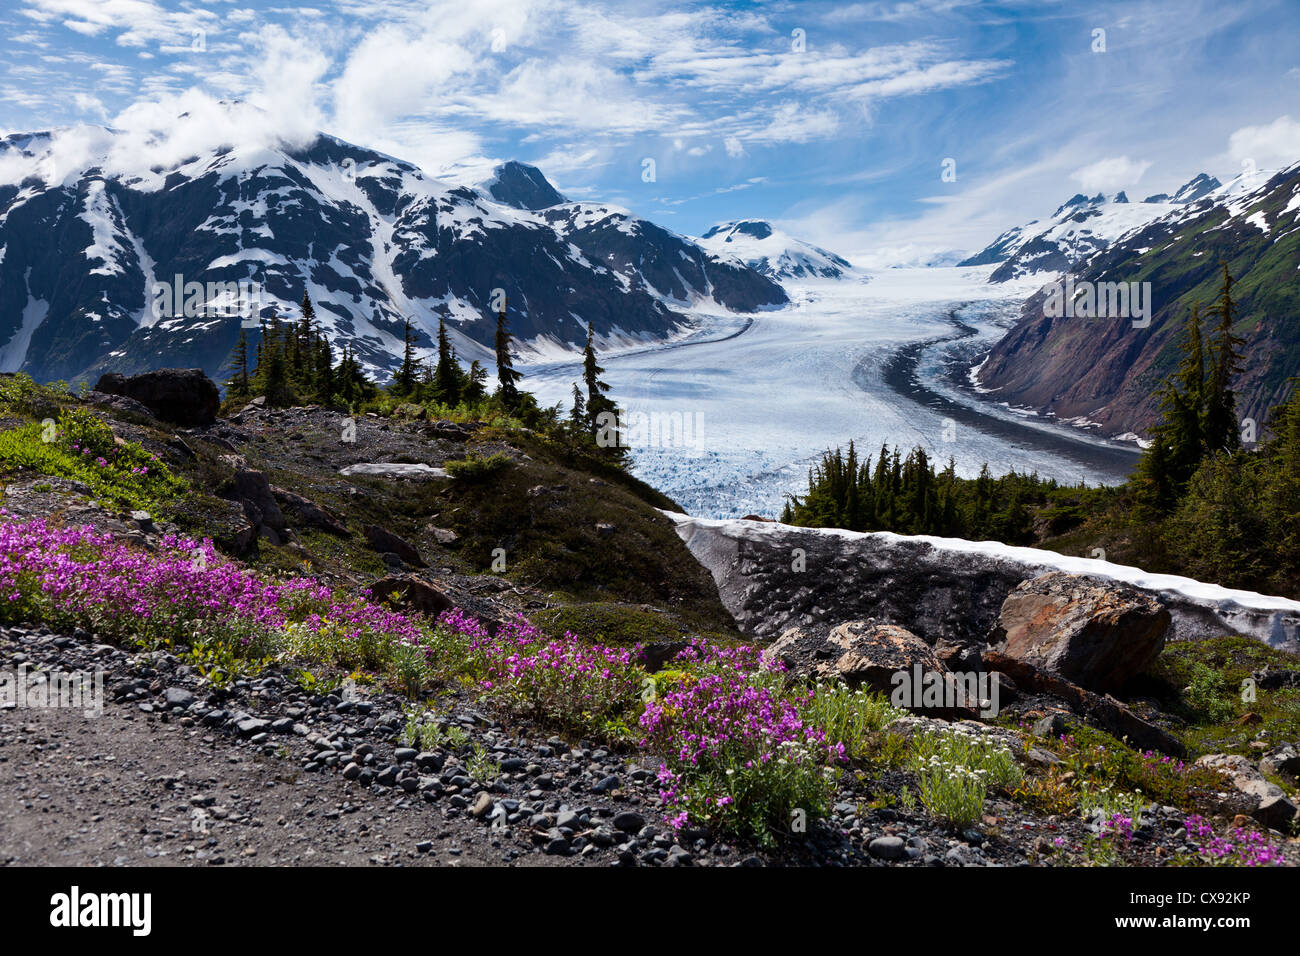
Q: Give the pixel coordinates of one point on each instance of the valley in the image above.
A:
(776, 389)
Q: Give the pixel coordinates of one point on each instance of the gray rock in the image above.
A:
(178, 697)
(887, 848)
(629, 821)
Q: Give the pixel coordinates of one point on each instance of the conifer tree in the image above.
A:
(475, 384)
(408, 373)
(448, 380)
(507, 376)
(1220, 418)
(239, 386)
(578, 416)
(598, 401)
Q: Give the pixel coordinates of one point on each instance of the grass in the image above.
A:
(80, 446)
(1202, 683)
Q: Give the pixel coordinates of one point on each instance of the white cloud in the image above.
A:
(1110, 175)
(1271, 146)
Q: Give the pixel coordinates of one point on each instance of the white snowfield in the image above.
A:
(1198, 609)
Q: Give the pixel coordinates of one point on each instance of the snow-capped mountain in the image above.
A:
(86, 251)
(1080, 226)
(768, 250)
(1107, 371)
(522, 186)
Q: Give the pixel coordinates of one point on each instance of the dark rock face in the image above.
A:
(1096, 635)
(1108, 371)
(182, 396)
(523, 186)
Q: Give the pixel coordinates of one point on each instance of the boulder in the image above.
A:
(860, 652)
(385, 542)
(1272, 807)
(1097, 635)
(1281, 760)
(120, 404)
(182, 396)
(306, 512)
(412, 593)
(254, 492)
(1101, 709)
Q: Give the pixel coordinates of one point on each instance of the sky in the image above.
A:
(885, 131)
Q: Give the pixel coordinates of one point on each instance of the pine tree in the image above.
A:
(1220, 419)
(507, 376)
(239, 386)
(448, 380)
(598, 402)
(408, 373)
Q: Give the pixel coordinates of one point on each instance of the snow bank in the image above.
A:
(1199, 609)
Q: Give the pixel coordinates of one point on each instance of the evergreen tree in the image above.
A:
(239, 386)
(1220, 418)
(409, 371)
(273, 369)
(475, 384)
(448, 380)
(1178, 439)
(324, 371)
(507, 376)
(598, 401)
(578, 416)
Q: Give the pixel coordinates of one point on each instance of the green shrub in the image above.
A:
(850, 717)
(955, 770)
(476, 467)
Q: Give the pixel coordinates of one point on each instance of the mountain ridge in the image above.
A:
(371, 238)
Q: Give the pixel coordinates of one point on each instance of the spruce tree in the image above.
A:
(598, 401)
(447, 378)
(475, 384)
(578, 416)
(1178, 439)
(507, 376)
(408, 373)
(239, 385)
(1220, 419)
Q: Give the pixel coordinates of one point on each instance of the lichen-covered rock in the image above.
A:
(865, 653)
(1098, 635)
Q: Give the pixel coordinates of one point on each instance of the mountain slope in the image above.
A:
(763, 247)
(1079, 227)
(1107, 371)
(371, 238)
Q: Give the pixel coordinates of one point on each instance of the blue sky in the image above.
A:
(834, 119)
